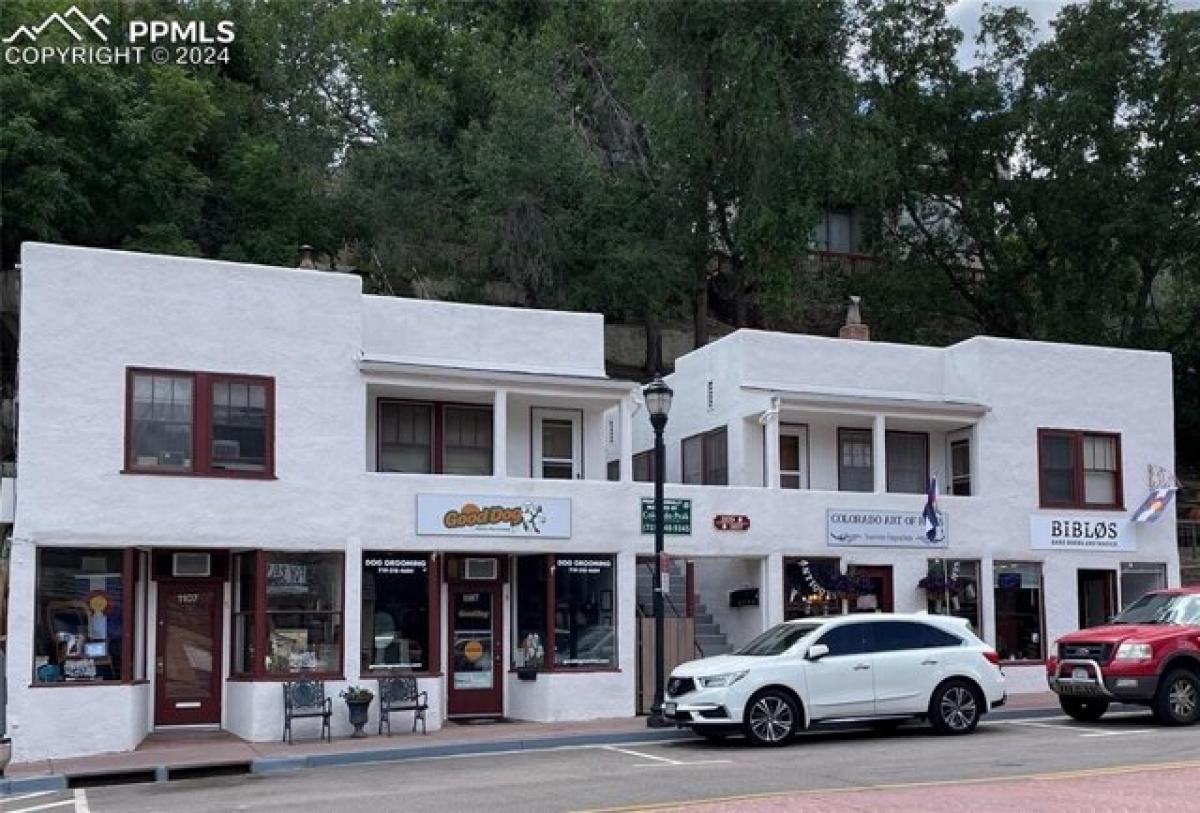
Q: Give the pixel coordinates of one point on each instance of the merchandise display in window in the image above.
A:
(81, 616)
(584, 632)
(1018, 602)
(303, 608)
(811, 588)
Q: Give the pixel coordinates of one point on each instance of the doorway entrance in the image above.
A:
(1097, 597)
(187, 669)
(475, 640)
(878, 597)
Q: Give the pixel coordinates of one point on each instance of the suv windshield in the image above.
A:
(1162, 608)
(777, 639)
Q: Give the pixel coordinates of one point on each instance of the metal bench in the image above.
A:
(399, 693)
(306, 698)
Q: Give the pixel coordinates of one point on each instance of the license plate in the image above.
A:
(669, 708)
(1079, 673)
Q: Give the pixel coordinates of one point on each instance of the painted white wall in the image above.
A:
(476, 337)
(715, 577)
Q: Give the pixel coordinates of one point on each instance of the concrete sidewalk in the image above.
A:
(182, 754)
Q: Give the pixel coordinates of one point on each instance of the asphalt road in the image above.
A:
(598, 777)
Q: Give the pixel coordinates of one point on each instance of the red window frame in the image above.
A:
(437, 454)
(258, 668)
(1080, 502)
(202, 434)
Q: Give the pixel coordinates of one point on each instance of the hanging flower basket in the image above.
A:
(850, 587)
(939, 586)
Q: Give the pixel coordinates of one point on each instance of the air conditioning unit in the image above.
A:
(191, 565)
(481, 569)
(226, 450)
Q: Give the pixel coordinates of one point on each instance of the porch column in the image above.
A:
(500, 433)
(771, 452)
(625, 427)
(879, 453)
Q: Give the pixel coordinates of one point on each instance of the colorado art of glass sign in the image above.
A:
(868, 528)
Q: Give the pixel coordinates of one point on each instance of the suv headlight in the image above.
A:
(1134, 652)
(720, 681)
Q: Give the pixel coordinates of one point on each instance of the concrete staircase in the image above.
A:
(709, 637)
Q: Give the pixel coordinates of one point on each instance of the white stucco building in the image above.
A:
(233, 475)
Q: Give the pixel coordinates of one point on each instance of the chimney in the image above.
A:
(307, 257)
(854, 327)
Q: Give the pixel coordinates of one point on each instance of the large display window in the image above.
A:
(565, 612)
(83, 625)
(810, 587)
(1020, 626)
(287, 614)
(399, 589)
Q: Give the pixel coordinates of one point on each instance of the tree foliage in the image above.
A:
(657, 160)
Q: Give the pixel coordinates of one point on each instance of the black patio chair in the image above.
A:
(306, 698)
(399, 693)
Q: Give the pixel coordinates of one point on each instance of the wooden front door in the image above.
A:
(879, 597)
(475, 641)
(1097, 597)
(187, 669)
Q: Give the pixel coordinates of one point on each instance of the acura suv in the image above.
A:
(879, 667)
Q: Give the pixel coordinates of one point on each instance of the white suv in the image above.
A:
(884, 667)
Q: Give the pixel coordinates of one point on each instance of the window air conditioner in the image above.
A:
(185, 565)
(482, 569)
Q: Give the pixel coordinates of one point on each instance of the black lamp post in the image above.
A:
(658, 403)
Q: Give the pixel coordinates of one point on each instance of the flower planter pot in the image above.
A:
(358, 717)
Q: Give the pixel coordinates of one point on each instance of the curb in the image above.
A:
(290, 764)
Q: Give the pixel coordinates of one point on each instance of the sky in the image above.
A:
(965, 14)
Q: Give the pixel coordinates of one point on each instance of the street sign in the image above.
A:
(677, 516)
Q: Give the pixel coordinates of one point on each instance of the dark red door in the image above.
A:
(879, 597)
(476, 652)
(187, 673)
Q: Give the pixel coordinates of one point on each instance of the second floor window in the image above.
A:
(907, 462)
(856, 470)
(643, 466)
(960, 468)
(705, 458)
(1079, 469)
(200, 423)
(419, 438)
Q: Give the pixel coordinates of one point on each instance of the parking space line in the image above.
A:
(46, 806)
(81, 802)
(11, 799)
(1119, 733)
(662, 762)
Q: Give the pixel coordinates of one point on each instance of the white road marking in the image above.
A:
(660, 762)
(81, 802)
(46, 806)
(1119, 733)
(24, 796)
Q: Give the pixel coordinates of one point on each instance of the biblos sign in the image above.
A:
(1053, 532)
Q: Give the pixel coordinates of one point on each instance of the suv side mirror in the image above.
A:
(816, 652)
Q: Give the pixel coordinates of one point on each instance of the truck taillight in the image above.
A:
(992, 656)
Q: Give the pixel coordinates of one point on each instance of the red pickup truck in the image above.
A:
(1148, 655)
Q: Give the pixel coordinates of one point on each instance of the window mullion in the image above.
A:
(551, 612)
(127, 609)
(202, 423)
(259, 613)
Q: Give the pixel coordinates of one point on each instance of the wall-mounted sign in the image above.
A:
(868, 528)
(731, 522)
(1050, 532)
(677, 516)
(479, 515)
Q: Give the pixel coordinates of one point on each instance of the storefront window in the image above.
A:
(952, 588)
(1018, 599)
(808, 588)
(1139, 578)
(395, 610)
(529, 614)
(584, 633)
(83, 603)
(243, 613)
(582, 594)
(303, 612)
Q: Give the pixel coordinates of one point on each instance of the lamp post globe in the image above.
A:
(657, 396)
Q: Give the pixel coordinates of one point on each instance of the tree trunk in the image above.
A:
(700, 313)
(653, 363)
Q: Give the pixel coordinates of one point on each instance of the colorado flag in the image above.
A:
(1154, 506)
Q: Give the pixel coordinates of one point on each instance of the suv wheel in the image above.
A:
(954, 708)
(1083, 709)
(772, 718)
(1177, 701)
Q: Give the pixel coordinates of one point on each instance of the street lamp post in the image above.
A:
(658, 403)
